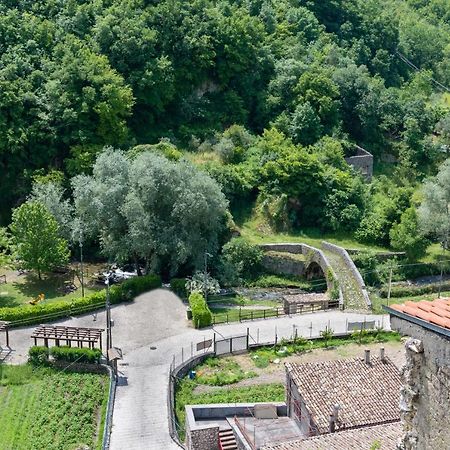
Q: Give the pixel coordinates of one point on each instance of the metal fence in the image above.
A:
(240, 315)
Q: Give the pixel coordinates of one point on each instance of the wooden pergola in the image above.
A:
(68, 335)
(4, 326)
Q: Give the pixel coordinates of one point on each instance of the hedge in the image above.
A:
(178, 286)
(76, 354)
(39, 355)
(126, 291)
(412, 290)
(201, 314)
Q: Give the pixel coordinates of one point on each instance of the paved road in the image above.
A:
(157, 319)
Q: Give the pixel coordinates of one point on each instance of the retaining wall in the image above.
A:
(312, 254)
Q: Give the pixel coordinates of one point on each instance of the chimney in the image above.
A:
(367, 356)
(332, 424)
(334, 416)
(382, 354)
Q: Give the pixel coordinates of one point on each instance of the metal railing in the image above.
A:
(239, 315)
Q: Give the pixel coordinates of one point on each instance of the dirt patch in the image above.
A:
(275, 372)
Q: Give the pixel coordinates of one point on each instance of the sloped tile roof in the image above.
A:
(436, 312)
(355, 439)
(368, 394)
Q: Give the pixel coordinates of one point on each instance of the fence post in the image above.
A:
(214, 348)
(252, 315)
(276, 337)
(248, 334)
(204, 344)
(264, 313)
(227, 318)
(231, 345)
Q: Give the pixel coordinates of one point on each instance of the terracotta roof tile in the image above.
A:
(368, 394)
(436, 312)
(355, 439)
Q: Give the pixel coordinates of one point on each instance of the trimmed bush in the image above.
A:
(76, 354)
(201, 315)
(178, 286)
(38, 355)
(126, 291)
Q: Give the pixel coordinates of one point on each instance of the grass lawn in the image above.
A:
(42, 408)
(259, 393)
(255, 231)
(21, 289)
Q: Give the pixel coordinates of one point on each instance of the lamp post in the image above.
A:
(81, 262)
(108, 316)
(205, 278)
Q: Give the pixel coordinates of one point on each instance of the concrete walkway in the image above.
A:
(158, 319)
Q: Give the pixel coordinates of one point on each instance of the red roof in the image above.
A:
(436, 312)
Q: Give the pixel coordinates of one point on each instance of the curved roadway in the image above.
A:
(158, 319)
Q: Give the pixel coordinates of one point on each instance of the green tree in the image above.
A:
(406, 235)
(148, 208)
(434, 211)
(51, 195)
(35, 233)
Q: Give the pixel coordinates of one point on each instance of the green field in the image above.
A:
(20, 290)
(43, 408)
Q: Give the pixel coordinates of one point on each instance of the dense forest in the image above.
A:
(267, 97)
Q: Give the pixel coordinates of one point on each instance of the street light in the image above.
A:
(108, 315)
(205, 278)
(81, 262)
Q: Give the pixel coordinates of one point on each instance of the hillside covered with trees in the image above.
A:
(157, 118)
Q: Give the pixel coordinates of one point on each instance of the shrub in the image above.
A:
(76, 354)
(201, 315)
(38, 355)
(126, 291)
(178, 286)
(244, 258)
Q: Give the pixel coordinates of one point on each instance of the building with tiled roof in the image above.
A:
(431, 314)
(425, 395)
(384, 436)
(328, 396)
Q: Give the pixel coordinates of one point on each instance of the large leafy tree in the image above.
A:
(36, 238)
(151, 209)
(434, 212)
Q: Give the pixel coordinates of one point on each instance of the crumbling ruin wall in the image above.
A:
(425, 395)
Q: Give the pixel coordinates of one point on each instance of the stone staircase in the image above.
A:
(227, 440)
(355, 295)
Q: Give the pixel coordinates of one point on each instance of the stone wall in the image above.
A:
(425, 396)
(311, 254)
(362, 161)
(351, 266)
(283, 265)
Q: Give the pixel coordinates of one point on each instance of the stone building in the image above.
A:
(425, 395)
(329, 396)
(362, 161)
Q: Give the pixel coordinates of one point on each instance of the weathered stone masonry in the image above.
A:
(425, 396)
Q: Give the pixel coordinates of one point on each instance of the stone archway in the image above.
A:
(314, 271)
